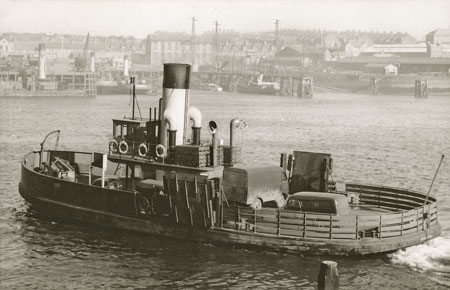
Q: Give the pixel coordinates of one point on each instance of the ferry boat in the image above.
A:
(259, 87)
(159, 177)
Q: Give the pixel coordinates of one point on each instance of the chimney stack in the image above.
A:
(41, 61)
(125, 66)
(92, 62)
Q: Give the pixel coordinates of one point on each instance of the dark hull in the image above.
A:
(257, 90)
(118, 209)
(120, 90)
(53, 93)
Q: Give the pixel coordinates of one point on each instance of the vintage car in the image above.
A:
(255, 185)
(318, 202)
(152, 198)
(112, 182)
(338, 206)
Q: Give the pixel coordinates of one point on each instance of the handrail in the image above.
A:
(43, 143)
(279, 222)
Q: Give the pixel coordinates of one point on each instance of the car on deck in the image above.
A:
(254, 185)
(112, 182)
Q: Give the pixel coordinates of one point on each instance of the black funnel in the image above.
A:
(176, 75)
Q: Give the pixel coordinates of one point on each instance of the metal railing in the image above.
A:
(408, 215)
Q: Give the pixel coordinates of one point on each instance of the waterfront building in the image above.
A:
(167, 47)
(438, 36)
(243, 53)
(387, 50)
(405, 65)
(381, 69)
(438, 50)
(6, 45)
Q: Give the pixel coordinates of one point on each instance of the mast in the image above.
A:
(134, 95)
(216, 44)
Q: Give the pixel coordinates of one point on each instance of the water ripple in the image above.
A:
(386, 140)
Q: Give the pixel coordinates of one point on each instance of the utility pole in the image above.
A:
(277, 21)
(323, 45)
(216, 43)
(193, 40)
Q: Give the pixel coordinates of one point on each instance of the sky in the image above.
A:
(141, 17)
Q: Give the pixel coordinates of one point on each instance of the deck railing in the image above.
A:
(408, 215)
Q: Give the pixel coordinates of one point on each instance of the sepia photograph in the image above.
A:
(225, 144)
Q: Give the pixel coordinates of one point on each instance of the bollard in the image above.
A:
(374, 85)
(328, 276)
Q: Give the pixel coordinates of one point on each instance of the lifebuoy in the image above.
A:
(113, 146)
(123, 147)
(142, 150)
(160, 150)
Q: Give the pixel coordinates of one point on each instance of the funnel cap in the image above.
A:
(176, 75)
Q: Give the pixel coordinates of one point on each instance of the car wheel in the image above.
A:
(257, 204)
(281, 201)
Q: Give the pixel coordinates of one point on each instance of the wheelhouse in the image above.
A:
(129, 129)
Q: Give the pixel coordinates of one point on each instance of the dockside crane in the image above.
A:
(81, 61)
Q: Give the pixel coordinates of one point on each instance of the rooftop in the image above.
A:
(440, 32)
(396, 60)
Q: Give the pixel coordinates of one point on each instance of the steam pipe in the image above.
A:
(169, 117)
(172, 137)
(196, 135)
(196, 117)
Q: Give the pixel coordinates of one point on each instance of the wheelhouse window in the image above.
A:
(133, 131)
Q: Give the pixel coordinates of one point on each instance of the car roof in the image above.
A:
(309, 195)
(150, 183)
(255, 168)
(108, 178)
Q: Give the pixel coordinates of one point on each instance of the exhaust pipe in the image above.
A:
(234, 124)
(169, 118)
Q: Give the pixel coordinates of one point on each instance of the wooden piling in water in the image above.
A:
(373, 86)
(328, 276)
(421, 89)
(306, 88)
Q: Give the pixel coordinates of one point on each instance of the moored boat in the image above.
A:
(121, 88)
(157, 180)
(259, 87)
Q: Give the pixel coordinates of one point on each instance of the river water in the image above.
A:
(383, 140)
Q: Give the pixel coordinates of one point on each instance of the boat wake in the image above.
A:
(433, 256)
